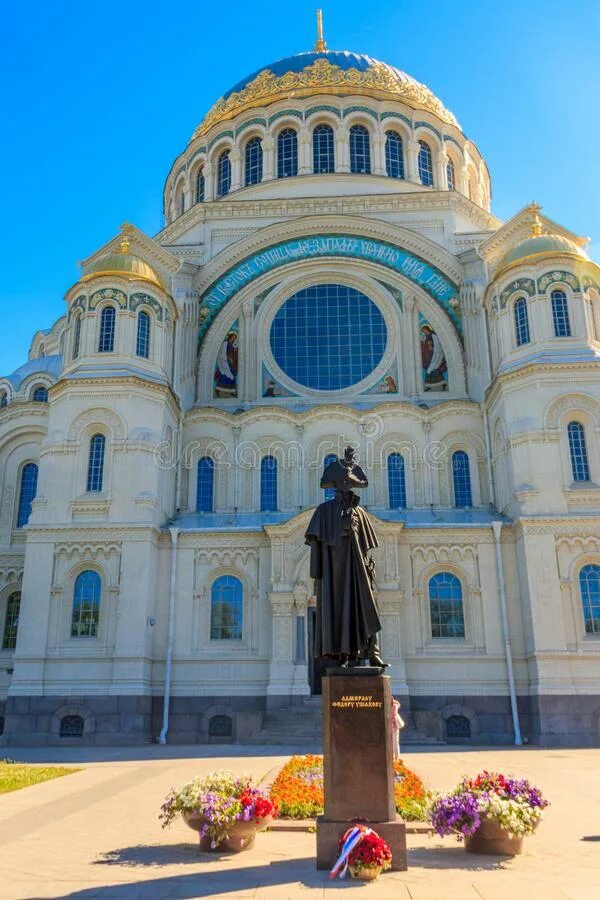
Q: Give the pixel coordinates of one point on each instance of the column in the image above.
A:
(342, 149)
(412, 162)
(247, 378)
(281, 669)
(410, 386)
(300, 468)
(236, 169)
(268, 146)
(441, 175)
(209, 184)
(378, 142)
(304, 152)
(463, 180)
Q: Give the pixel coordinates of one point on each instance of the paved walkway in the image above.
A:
(96, 833)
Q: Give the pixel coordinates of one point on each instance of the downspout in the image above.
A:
(497, 529)
(170, 636)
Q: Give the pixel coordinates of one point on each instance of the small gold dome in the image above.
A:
(125, 265)
(539, 245)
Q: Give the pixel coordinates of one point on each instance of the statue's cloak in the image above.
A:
(347, 615)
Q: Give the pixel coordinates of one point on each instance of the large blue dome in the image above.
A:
(333, 72)
(343, 59)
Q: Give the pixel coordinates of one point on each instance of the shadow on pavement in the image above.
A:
(453, 858)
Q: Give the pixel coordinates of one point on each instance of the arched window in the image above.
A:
(323, 149)
(86, 604)
(95, 473)
(71, 727)
(360, 150)
(396, 481)
(425, 164)
(3, 399)
(76, 337)
(226, 609)
(254, 161)
(11, 621)
(27, 492)
(451, 175)
(560, 314)
(521, 322)
(589, 588)
(446, 606)
(40, 394)
(461, 479)
(200, 186)
(223, 174)
(268, 483)
(182, 202)
(142, 343)
(394, 156)
(287, 153)
(329, 492)
(205, 485)
(107, 330)
(579, 459)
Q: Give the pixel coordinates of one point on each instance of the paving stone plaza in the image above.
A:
(96, 833)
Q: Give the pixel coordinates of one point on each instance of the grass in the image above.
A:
(14, 776)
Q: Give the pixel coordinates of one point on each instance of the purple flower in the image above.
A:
(456, 814)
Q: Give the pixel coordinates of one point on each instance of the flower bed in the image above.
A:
(514, 804)
(298, 789)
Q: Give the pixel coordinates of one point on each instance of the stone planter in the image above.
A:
(491, 838)
(241, 836)
(365, 873)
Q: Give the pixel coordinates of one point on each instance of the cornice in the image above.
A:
(535, 369)
(75, 386)
(234, 206)
(79, 532)
(570, 524)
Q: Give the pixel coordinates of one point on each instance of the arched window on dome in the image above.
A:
(40, 394)
(451, 175)
(205, 485)
(27, 492)
(142, 341)
(394, 155)
(106, 341)
(76, 336)
(268, 484)
(181, 204)
(396, 481)
(360, 150)
(254, 161)
(589, 589)
(425, 164)
(323, 150)
(223, 174)
(446, 606)
(461, 479)
(287, 153)
(3, 399)
(86, 604)
(580, 466)
(521, 322)
(226, 609)
(11, 621)
(329, 493)
(560, 314)
(200, 186)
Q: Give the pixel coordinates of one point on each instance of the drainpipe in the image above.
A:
(170, 635)
(497, 529)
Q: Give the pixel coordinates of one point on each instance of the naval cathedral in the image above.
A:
(329, 273)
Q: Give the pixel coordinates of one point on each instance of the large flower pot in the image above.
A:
(241, 835)
(365, 873)
(491, 838)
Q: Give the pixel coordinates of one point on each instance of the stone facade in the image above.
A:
(466, 381)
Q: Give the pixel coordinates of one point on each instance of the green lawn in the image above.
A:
(14, 776)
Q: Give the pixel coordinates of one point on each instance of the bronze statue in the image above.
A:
(340, 536)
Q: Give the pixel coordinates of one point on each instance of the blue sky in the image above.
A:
(99, 98)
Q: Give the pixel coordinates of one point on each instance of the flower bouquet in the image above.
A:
(225, 810)
(363, 853)
(492, 812)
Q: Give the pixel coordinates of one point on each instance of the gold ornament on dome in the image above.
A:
(323, 77)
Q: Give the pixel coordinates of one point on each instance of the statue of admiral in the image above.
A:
(340, 536)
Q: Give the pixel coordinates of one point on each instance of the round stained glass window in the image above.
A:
(328, 337)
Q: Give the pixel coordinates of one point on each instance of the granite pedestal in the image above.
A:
(358, 762)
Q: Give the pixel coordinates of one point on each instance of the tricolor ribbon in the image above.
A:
(351, 839)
